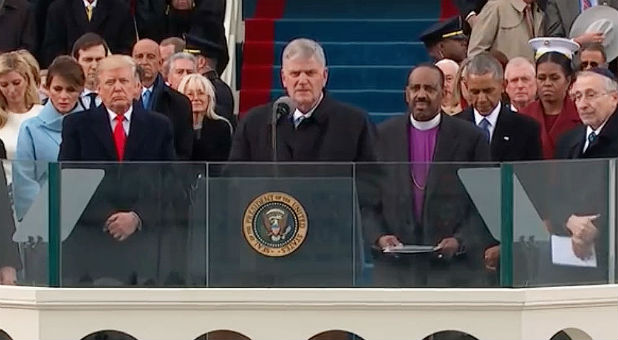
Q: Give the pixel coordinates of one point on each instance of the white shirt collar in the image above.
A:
(144, 89)
(492, 117)
(113, 115)
(94, 3)
(597, 131)
(427, 125)
(298, 114)
(86, 92)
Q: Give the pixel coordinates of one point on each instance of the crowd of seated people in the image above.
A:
(507, 83)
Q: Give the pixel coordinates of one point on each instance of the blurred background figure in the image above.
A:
(212, 134)
(89, 50)
(446, 40)
(520, 77)
(449, 68)
(178, 66)
(17, 25)
(170, 46)
(592, 55)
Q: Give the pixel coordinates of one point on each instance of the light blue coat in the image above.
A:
(38, 143)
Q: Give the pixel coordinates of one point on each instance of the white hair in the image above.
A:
(305, 49)
(517, 62)
(445, 62)
(167, 66)
(609, 84)
(199, 80)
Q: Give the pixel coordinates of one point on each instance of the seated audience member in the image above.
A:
(121, 221)
(19, 99)
(209, 56)
(178, 66)
(520, 78)
(412, 216)
(88, 50)
(554, 110)
(67, 20)
(17, 25)
(171, 46)
(212, 134)
(320, 129)
(39, 137)
(560, 15)
(507, 25)
(158, 97)
(449, 68)
(9, 253)
(446, 40)
(460, 92)
(592, 55)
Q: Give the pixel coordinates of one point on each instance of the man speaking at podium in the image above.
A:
(424, 203)
(320, 129)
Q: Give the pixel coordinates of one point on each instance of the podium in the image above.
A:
(296, 228)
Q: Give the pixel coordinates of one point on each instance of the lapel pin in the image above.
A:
(507, 138)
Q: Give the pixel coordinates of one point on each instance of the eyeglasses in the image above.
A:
(591, 64)
(588, 95)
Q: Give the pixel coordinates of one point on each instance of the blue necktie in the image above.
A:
(484, 125)
(298, 120)
(146, 99)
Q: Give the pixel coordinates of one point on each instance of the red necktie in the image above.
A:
(119, 136)
(587, 4)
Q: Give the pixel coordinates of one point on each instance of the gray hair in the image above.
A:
(305, 49)
(167, 66)
(117, 61)
(484, 63)
(609, 84)
(516, 62)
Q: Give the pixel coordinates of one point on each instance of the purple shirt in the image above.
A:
(422, 145)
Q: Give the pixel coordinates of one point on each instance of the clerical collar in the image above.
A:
(427, 125)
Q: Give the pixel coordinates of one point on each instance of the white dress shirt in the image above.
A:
(126, 123)
(93, 4)
(85, 99)
(298, 114)
(588, 132)
(492, 118)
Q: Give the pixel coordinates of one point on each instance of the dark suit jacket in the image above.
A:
(17, 26)
(515, 138)
(89, 252)
(335, 132)
(447, 209)
(560, 15)
(9, 253)
(213, 141)
(177, 108)
(67, 21)
(225, 99)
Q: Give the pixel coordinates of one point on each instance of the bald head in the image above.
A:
(147, 55)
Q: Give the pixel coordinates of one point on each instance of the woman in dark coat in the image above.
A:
(212, 137)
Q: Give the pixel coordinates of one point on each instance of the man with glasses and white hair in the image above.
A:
(320, 129)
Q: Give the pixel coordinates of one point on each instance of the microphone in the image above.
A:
(284, 106)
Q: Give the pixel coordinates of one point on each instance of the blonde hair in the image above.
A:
(459, 77)
(116, 61)
(35, 68)
(198, 80)
(13, 61)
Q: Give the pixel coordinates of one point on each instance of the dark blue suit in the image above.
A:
(89, 253)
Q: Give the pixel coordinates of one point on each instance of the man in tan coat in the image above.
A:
(506, 26)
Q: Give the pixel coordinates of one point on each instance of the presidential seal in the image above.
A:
(275, 224)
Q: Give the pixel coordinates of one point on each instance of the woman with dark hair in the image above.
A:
(553, 110)
(39, 137)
